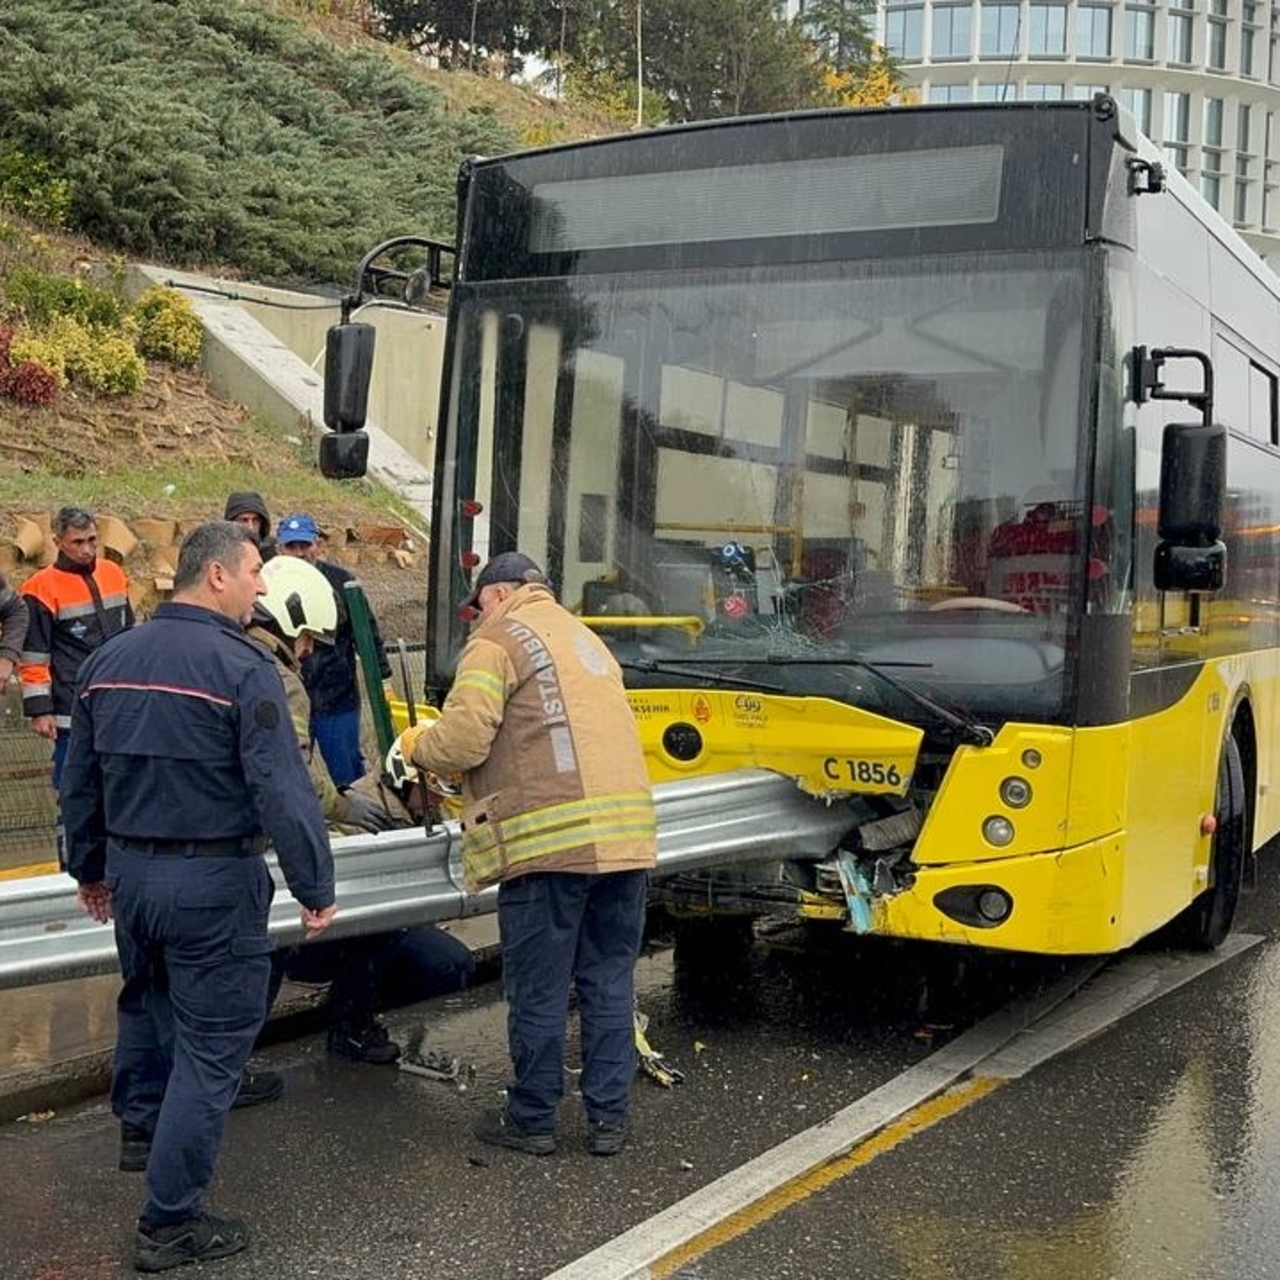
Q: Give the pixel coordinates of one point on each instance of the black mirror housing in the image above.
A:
(1193, 483)
(348, 370)
(344, 455)
(1190, 568)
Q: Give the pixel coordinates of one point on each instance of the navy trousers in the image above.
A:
(377, 971)
(559, 928)
(191, 933)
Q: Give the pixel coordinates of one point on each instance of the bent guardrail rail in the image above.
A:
(405, 877)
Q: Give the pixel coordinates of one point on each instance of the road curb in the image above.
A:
(54, 1086)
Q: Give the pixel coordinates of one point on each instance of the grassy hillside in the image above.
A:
(229, 134)
(269, 139)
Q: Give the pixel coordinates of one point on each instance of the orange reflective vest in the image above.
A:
(71, 612)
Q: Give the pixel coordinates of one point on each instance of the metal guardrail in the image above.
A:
(404, 877)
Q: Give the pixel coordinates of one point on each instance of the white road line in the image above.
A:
(1115, 993)
(1002, 1039)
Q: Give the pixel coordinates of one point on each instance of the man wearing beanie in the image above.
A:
(247, 508)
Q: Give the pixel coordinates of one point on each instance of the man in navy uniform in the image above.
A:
(183, 762)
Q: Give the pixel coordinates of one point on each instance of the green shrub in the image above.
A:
(101, 359)
(168, 327)
(212, 131)
(104, 361)
(29, 186)
(41, 349)
(38, 299)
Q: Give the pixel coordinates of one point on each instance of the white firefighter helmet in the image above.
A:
(299, 598)
(401, 772)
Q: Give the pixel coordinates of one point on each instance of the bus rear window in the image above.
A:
(958, 186)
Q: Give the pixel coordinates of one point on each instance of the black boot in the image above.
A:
(199, 1239)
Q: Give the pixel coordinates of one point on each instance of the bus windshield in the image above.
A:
(795, 476)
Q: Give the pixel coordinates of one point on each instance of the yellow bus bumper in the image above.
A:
(1069, 902)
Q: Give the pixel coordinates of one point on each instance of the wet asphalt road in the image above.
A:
(1150, 1153)
(1153, 1151)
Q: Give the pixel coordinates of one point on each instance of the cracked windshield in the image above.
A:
(854, 482)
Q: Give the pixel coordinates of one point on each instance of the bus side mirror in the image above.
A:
(1193, 487)
(348, 370)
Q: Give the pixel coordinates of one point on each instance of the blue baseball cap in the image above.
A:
(297, 528)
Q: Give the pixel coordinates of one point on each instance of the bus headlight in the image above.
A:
(1031, 758)
(998, 831)
(1016, 792)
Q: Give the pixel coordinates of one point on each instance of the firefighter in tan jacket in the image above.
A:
(557, 809)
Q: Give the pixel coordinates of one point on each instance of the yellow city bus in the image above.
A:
(928, 456)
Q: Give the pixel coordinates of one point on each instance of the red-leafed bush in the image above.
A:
(29, 383)
(6, 341)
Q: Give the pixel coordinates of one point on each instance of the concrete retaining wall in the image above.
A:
(271, 360)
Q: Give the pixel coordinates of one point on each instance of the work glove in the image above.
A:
(409, 739)
(365, 814)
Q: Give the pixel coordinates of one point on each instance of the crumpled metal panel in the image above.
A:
(399, 878)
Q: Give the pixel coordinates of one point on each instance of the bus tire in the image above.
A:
(1206, 922)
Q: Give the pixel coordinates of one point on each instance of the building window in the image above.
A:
(1177, 117)
(1138, 102)
(1042, 92)
(1247, 35)
(1139, 33)
(1212, 157)
(1087, 92)
(1216, 54)
(1002, 92)
(904, 33)
(1177, 128)
(1244, 118)
(1093, 32)
(948, 93)
(999, 36)
(1180, 37)
(1049, 29)
(1242, 203)
(952, 31)
(1212, 122)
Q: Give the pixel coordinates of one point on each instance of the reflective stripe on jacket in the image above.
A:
(538, 724)
(65, 625)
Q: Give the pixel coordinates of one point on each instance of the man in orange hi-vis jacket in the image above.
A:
(74, 605)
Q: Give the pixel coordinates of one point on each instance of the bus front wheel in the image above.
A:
(1207, 921)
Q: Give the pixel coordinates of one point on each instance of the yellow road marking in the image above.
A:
(33, 869)
(737, 1224)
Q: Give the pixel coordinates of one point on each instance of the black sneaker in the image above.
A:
(135, 1149)
(257, 1087)
(369, 1043)
(197, 1240)
(498, 1129)
(605, 1137)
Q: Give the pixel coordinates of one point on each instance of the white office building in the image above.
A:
(1201, 77)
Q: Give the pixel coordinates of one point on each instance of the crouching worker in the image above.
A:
(368, 972)
(557, 809)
